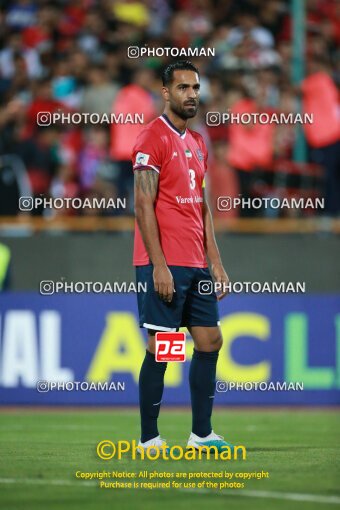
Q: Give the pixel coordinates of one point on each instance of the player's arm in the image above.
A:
(146, 187)
(211, 249)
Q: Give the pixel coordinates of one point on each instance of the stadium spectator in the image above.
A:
(15, 46)
(21, 14)
(135, 98)
(223, 182)
(323, 135)
(73, 57)
(99, 94)
(42, 101)
(251, 147)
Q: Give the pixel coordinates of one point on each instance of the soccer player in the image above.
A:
(174, 238)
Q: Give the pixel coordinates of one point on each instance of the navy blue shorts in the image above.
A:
(188, 307)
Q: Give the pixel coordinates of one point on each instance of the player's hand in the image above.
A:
(163, 282)
(221, 277)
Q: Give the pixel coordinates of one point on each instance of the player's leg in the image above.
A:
(151, 386)
(202, 376)
(202, 320)
(155, 315)
(202, 380)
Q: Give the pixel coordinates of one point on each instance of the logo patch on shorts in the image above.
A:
(170, 346)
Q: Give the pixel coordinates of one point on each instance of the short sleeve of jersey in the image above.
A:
(205, 154)
(203, 151)
(147, 152)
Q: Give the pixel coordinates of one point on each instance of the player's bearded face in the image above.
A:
(184, 95)
(185, 110)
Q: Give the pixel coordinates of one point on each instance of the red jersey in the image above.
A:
(325, 129)
(181, 161)
(131, 98)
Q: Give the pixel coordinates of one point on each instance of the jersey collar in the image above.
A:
(173, 128)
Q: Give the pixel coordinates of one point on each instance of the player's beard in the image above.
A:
(182, 112)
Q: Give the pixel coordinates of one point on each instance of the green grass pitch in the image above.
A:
(42, 450)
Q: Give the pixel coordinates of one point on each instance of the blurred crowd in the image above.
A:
(60, 56)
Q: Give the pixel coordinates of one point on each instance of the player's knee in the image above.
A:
(151, 345)
(152, 348)
(216, 342)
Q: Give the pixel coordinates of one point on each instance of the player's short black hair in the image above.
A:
(181, 65)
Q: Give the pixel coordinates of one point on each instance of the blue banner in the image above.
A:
(96, 338)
